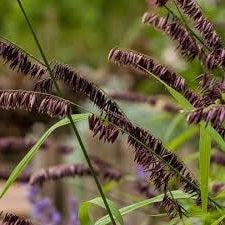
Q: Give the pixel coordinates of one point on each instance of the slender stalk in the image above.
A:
(69, 117)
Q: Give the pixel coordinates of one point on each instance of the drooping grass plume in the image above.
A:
(23, 178)
(80, 85)
(196, 116)
(139, 61)
(214, 115)
(59, 172)
(103, 169)
(34, 102)
(211, 88)
(216, 59)
(20, 61)
(11, 219)
(150, 100)
(172, 207)
(171, 26)
(193, 98)
(17, 145)
(45, 85)
(155, 163)
(144, 63)
(107, 132)
(72, 170)
(201, 23)
(159, 164)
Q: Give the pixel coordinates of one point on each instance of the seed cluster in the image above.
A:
(16, 144)
(214, 115)
(144, 63)
(19, 61)
(187, 45)
(202, 24)
(34, 102)
(11, 219)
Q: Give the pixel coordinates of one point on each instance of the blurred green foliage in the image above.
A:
(72, 31)
(83, 32)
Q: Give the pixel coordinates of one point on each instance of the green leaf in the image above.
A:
(182, 101)
(172, 127)
(216, 137)
(219, 220)
(204, 164)
(182, 138)
(131, 208)
(83, 213)
(33, 151)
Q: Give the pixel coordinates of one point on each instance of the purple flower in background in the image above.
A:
(33, 194)
(45, 212)
(140, 172)
(42, 209)
(73, 208)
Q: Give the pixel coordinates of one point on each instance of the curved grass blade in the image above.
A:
(34, 150)
(84, 215)
(181, 100)
(189, 133)
(131, 208)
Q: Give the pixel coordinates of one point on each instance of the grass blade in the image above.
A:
(84, 216)
(172, 127)
(204, 164)
(131, 208)
(181, 100)
(34, 150)
(183, 137)
(216, 136)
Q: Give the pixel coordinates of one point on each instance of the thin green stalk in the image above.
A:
(69, 117)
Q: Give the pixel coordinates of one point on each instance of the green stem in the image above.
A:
(69, 117)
